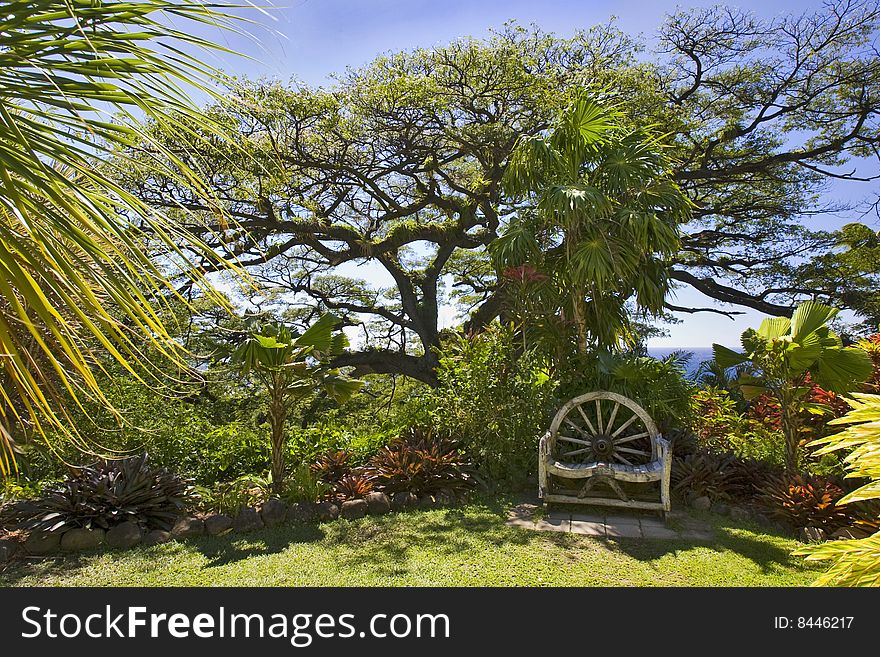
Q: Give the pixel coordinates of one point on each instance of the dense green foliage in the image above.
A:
(290, 368)
(658, 385)
(422, 463)
(492, 399)
(855, 562)
(782, 354)
(401, 163)
(504, 167)
(604, 228)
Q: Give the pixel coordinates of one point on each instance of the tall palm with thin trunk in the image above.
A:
(76, 79)
(600, 222)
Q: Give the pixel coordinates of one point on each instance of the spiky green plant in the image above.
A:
(77, 80)
(854, 562)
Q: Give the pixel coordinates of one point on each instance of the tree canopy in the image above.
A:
(401, 163)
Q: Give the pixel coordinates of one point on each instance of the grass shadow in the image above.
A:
(218, 550)
(387, 544)
(752, 544)
(232, 547)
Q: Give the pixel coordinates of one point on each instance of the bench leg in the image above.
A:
(592, 481)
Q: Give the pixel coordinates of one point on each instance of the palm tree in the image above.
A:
(782, 353)
(602, 224)
(290, 368)
(74, 274)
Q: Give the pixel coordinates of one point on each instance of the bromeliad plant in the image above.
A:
(421, 462)
(705, 474)
(291, 367)
(354, 486)
(108, 493)
(854, 562)
(803, 501)
(783, 354)
(332, 466)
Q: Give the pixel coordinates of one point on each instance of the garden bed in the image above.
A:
(23, 543)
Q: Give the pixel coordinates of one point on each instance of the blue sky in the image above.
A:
(311, 39)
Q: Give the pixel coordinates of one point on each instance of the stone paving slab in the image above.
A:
(623, 531)
(589, 517)
(653, 532)
(553, 525)
(612, 525)
(588, 528)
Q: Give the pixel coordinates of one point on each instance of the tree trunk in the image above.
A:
(580, 321)
(790, 428)
(277, 418)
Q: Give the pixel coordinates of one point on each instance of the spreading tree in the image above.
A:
(401, 163)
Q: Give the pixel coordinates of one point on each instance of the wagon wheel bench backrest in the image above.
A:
(603, 438)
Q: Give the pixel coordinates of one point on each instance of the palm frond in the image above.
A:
(76, 78)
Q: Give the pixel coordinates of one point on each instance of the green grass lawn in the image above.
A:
(469, 546)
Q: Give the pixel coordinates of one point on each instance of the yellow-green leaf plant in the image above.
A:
(78, 80)
(854, 562)
(290, 368)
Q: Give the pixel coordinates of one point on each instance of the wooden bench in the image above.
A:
(603, 438)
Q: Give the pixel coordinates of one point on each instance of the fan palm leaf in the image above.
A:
(603, 191)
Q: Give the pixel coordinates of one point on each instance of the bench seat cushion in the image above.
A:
(652, 471)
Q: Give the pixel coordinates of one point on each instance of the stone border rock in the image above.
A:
(272, 513)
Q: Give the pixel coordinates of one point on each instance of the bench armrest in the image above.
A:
(544, 446)
(664, 447)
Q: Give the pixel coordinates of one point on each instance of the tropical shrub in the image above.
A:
(112, 492)
(782, 353)
(658, 385)
(421, 462)
(803, 501)
(191, 434)
(871, 346)
(19, 488)
(821, 406)
(290, 367)
(706, 474)
(231, 496)
(353, 486)
(492, 398)
(721, 428)
(854, 562)
(303, 485)
(714, 418)
(307, 445)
